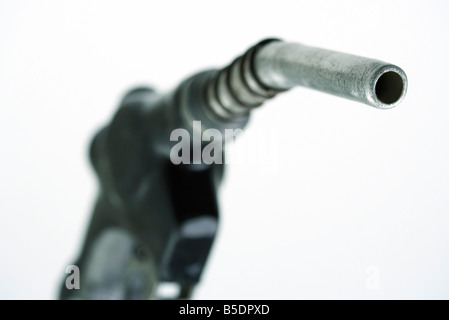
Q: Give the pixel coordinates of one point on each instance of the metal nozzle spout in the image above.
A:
(273, 66)
(283, 65)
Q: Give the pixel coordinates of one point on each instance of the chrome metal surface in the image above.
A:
(273, 66)
(285, 65)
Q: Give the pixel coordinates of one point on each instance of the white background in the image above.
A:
(345, 189)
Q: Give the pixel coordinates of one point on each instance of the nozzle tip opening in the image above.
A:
(390, 87)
